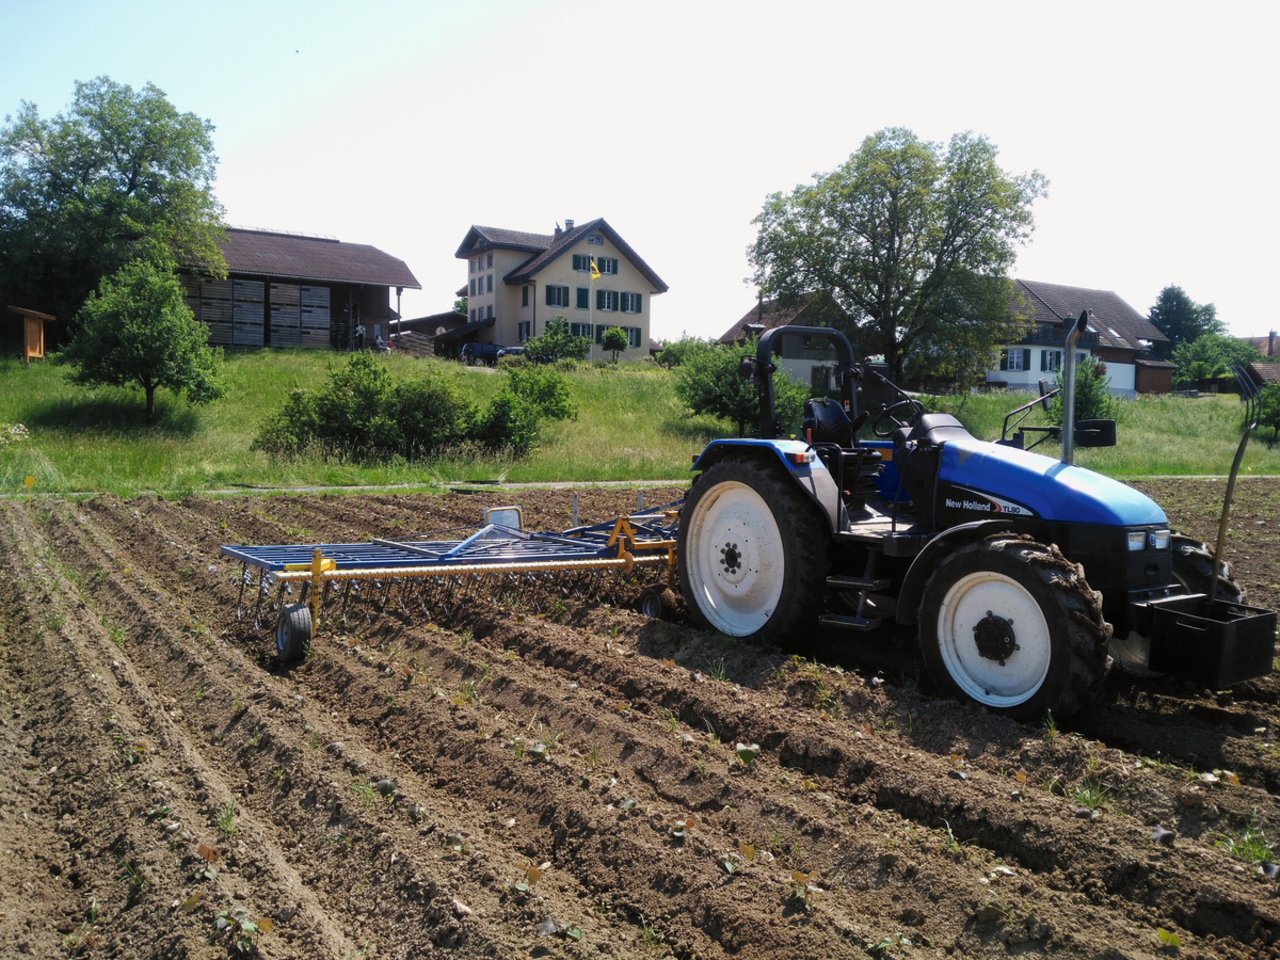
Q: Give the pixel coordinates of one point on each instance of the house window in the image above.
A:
(580, 329)
(607, 265)
(472, 288)
(490, 311)
(473, 314)
(584, 298)
(557, 296)
(472, 265)
(606, 299)
(1050, 361)
(595, 238)
(488, 283)
(491, 259)
(631, 303)
(581, 262)
(1015, 359)
(522, 331)
(633, 335)
(524, 295)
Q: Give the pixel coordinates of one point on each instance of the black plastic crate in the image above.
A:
(1213, 644)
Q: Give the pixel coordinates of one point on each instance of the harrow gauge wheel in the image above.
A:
(293, 632)
(753, 552)
(1012, 624)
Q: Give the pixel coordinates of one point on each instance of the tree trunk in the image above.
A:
(151, 402)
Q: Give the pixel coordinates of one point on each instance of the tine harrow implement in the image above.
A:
(436, 576)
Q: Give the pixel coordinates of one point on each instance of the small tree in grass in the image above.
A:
(615, 340)
(708, 382)
(137, 331)
(1093, 396)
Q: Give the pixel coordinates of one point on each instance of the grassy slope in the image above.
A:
(630, 426)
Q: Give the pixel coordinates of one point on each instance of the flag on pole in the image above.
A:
(595, 271)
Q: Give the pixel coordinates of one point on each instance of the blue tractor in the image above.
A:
(1026, 578)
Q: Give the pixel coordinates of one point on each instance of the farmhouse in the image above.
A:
(517, 282)
(289, 290)
(1118, 335)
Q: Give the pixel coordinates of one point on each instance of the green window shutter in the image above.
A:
(550, 302)
(639, 303)
(599, 299)
(584, 298)
(1026, 359)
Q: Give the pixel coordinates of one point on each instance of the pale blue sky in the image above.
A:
(401, 124)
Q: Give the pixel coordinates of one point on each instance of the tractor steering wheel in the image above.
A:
(894, 417)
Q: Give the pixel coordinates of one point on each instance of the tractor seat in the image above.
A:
(825, 421)
(933, 428)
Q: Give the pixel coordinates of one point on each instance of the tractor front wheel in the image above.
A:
(753, 552)
(1194, 567)
(1011, 624)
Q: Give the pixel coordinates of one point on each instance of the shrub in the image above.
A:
(543, 388)
(509, 425)
(360, 414)
(556, 344)
(708, 382)
(1093, 398)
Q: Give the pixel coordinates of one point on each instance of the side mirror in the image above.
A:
(1045, 395)
(1095, 433)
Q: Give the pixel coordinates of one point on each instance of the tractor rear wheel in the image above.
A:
(1012, 624)
(753, 552)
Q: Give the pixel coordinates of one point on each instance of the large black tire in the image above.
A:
(753, 552)
(1194, 568)
(293, 632)
(1011, 624)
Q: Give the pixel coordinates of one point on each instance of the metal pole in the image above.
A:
(1069, 386)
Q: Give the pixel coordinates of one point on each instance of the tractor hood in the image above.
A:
(1011, 481)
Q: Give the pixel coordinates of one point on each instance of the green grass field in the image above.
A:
(630, 426)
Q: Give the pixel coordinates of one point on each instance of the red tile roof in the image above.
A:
(260, 253)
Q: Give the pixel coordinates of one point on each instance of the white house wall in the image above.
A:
(1121, 377)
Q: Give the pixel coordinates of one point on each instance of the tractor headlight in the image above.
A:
(1137, 540)
(1158, 539)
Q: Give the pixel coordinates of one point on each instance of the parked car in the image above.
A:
(511, 352)
(474, 354)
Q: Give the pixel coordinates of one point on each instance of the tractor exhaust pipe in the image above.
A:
(1069, 386)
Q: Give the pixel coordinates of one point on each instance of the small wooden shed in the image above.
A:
(33, 322)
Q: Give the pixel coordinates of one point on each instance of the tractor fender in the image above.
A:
(812, 477)
(922, 566)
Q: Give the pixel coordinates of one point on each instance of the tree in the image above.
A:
(1269, 414)
(708, 382)
(1093, 400)
(136, 330)
(1209, 356)
(615, 340)
(913, 242)
(122, 174)
(1182, 320)
(676, 352)
(557, 343)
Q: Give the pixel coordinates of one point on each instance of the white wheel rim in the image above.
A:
(982, 678)
(735, 559)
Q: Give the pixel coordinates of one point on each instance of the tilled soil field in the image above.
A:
(533, 770)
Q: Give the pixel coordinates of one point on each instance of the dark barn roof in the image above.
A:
(260, 253)
(1115, 322)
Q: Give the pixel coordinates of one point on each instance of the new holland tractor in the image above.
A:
(1025, 577)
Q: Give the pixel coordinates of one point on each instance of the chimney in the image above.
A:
(1271, 344)
(557, 228)
(568, 224)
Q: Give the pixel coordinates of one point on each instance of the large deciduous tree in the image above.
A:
(137, 331)
(913, 240)
(121, 174)
(1182, 320)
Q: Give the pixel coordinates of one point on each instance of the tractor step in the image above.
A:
(857, 584)
(846, 622)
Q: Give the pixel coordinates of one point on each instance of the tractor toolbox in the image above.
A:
(1215, 644)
